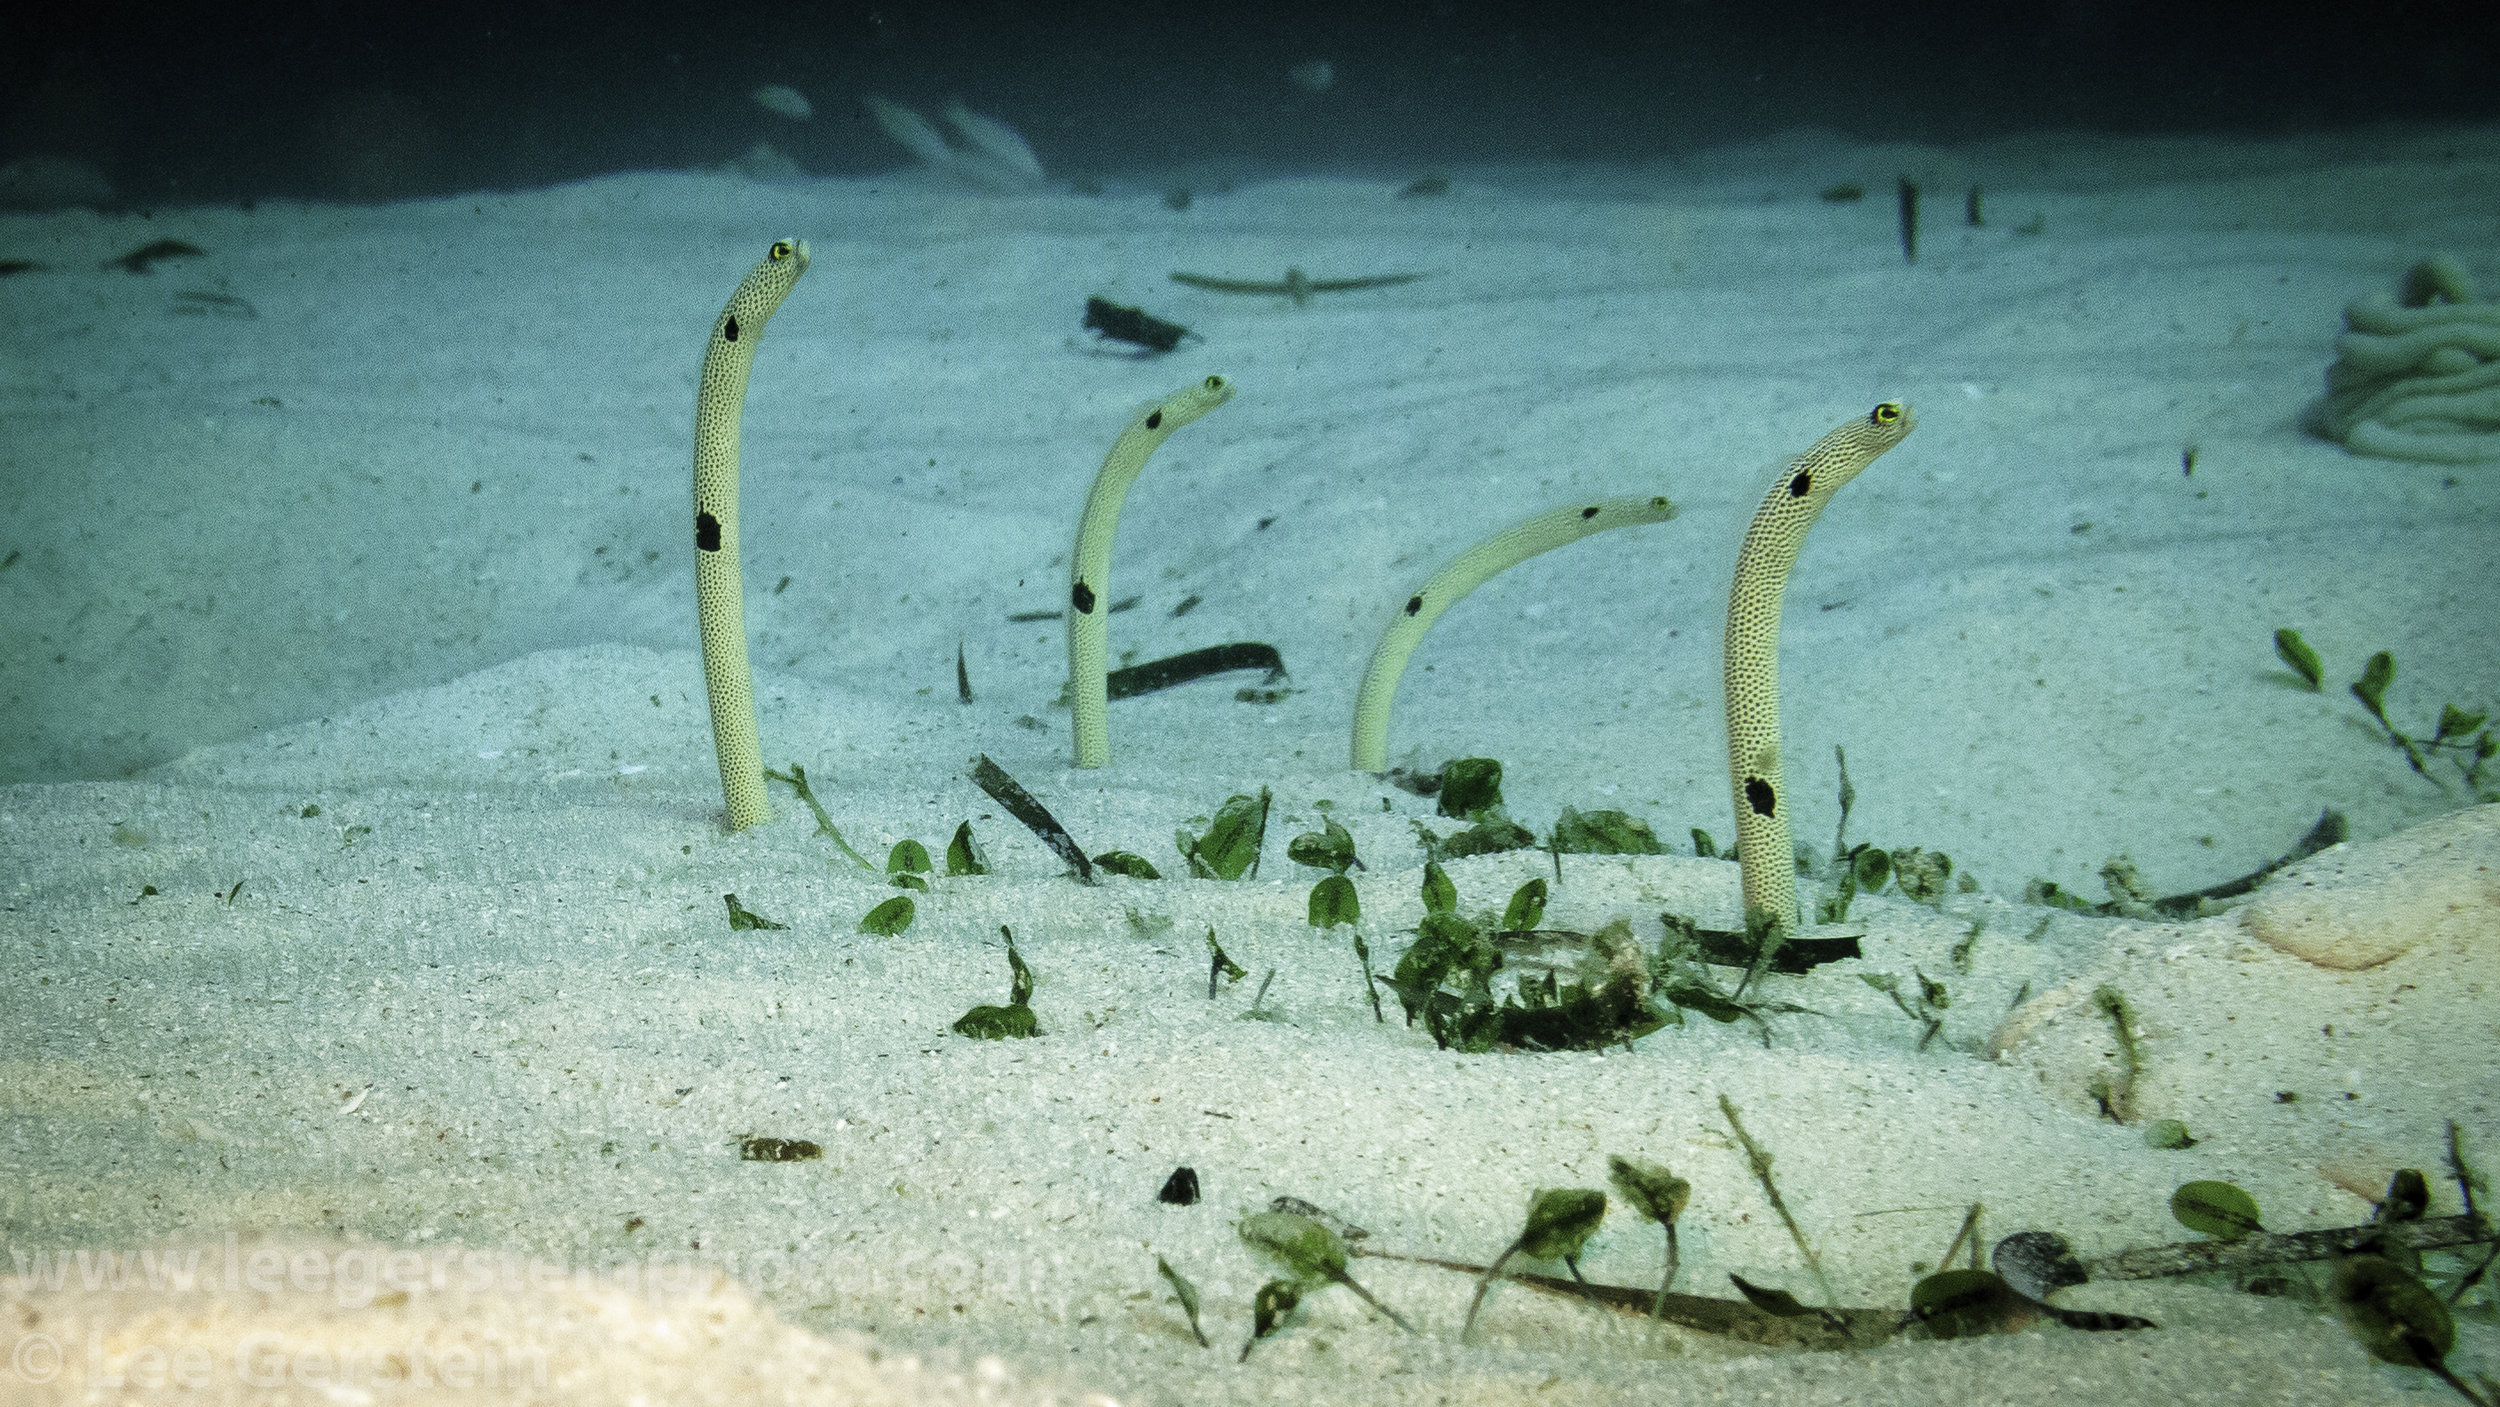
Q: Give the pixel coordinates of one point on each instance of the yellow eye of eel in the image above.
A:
(781, 249)
(1885, 414)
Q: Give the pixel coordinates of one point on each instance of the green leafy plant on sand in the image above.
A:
(992, 1023)
(1186, 1291)
(1219, 964)
(1927, 1005)
(1334, 904)
(1658, 1194)
(1486, 981)
(1470, 789)
(1313, 1256)
(2398, 1280)
(889, 918)
(907, 863)
(1921, 875)
(964, 855)
(907, 866)
(2115, 1091)
(796, 780)
(1446, 976)
(1455, 956)
(2376, 1283)
(1229, 847)
(1560, 1221)
(2463, 738)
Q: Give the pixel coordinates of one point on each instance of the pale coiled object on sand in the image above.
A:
(2416, 377)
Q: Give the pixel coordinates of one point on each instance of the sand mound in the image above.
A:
(2436, 886)
(2372, 980)
(333, 1323)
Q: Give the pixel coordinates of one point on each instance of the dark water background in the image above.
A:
(184, 104)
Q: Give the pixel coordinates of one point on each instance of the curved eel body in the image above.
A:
(1471, 569)
(1089, 589)
(1796, 498)
(720, 604)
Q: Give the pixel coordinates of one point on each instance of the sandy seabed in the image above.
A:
(397, 937)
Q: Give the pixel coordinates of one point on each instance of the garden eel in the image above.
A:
(1089, 590)
(719, 401)
(1796, 499)
(1472, 568)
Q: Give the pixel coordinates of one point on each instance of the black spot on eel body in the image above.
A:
(1588, 512)
(1083, 599)
(729, 329)
(1414, 604)
(1801, 485)
(706, 533)
(1155, 421)
(1760, 797)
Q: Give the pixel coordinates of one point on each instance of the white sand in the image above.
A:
(408, 544)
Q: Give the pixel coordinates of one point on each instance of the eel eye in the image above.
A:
(1884, 414)
(781, 250)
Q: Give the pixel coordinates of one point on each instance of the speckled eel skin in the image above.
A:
(1763, 845)
(1089, 572)
(719, 403)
